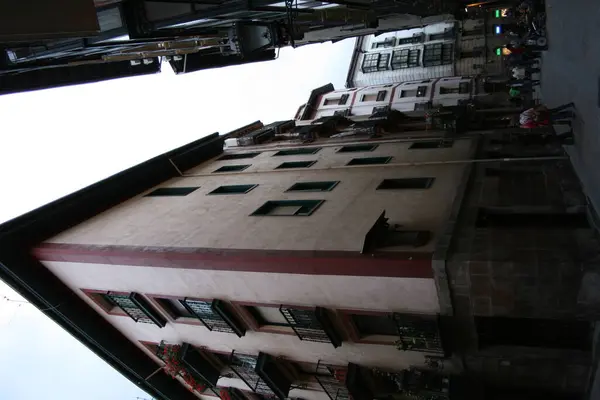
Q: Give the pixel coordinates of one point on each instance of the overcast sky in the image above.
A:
(72, 137)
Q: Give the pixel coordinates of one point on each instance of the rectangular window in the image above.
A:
(172, 191)
(389, 42)
(509, 217)
(297, 151)
(357, 148)
(233, 189)
(406, 183)
(464, 87)
(410, 40)
(295, 208)
(336, 100)
(405, 58)
(438, 54)
(215, 315)
(238, 156)
(421, 91)
(381, 95)
(375, 62)
(324, 186)
(342, 113)
(477, 31)
(408, 93)
(231, 168)
(265, 315)
(432, 144)
(174, 308)
(447, 34)
(368, 97)
(369, 160)
(375, 325)
(448, 90)
(295, 164)
(423, 106)
(343, 99)
(138, 308)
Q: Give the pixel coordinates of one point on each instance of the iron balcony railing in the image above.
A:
(214, 316)
(244, 367)
(313, 325)
(418, 333)
(332, 380)
(137, 308)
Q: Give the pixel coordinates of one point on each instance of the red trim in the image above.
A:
(340, 263)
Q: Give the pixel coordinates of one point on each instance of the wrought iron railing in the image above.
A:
(312, 325)
(244, 367)
(418, 333)
(212, 316)
(137, 308)
(331, 379)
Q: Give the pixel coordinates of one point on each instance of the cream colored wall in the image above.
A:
(334, 292)
(349, 211)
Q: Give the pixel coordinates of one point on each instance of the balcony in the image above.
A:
(418, 333)
(312, 325)
(197, 368)
(367, 383)
(332, 380)
(265, 375)
(215, 316)
(138, 308)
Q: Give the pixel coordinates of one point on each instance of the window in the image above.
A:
(423, 106)
(410, 40)
(405, 58)
(421, 91)
(408, 93)
(512, 217)
(448, 90)
(295, 164)
(475, 52)
(369, 97)
(375, 62)
(324, 186)
(238, 156)
(138, 308)
(432, 144)
(231, 168)
(447, 34)
(369, 160)
(313, 325)
(172, 191)
(406, 183)
(342, 113)
(265, 315)
(297, 208)
(297, 151)
(174, 308)
(357, 148)
(375, 325)
(214, 315)
(438, 54)
(233, 189)
(381, 95)
(476, 31)
(389, 42)
(337, 100)
(464, 87)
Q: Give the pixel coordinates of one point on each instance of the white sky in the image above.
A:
(72, 137)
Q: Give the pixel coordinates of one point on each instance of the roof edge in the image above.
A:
(353, 62)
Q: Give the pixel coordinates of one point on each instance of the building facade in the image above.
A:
(467, 47)
(90, 41)
(329, 256)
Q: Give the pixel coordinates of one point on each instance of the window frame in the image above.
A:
(269, 205)
(438, 54)
(139, 302)
(238, 156)
(374, 62)
(296, 164)
(361, 161)
(180, 191)
(299, 151)
(231, 168)
(428, 144)
(405, 58)
(220, 190)
(357, 148)
(331, 185)
(385, 43)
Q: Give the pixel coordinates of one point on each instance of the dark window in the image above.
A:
(324, 186)
(233, 189)
(410, 40)
(438, 54)
(406, 183)
(381, 95)
(432, 144)
(174, 308)
(421, 91)
(447, 34)
(375, 325)
(231, 168)
(357, 148)
(302, 208)
(509, 217)
(476, 52)
(477, 31)
(172, 191)
(297, 151)
(405, 58)
(295, 164)
(265, 315)
(238, 156)
(448, 90)
(342, 113)
(423, 106)
(313, 325)
(375, 62)
(343, 99)
(215, 315)
(389, 42)
(369, 160)
(138, 308)
(464, 87)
